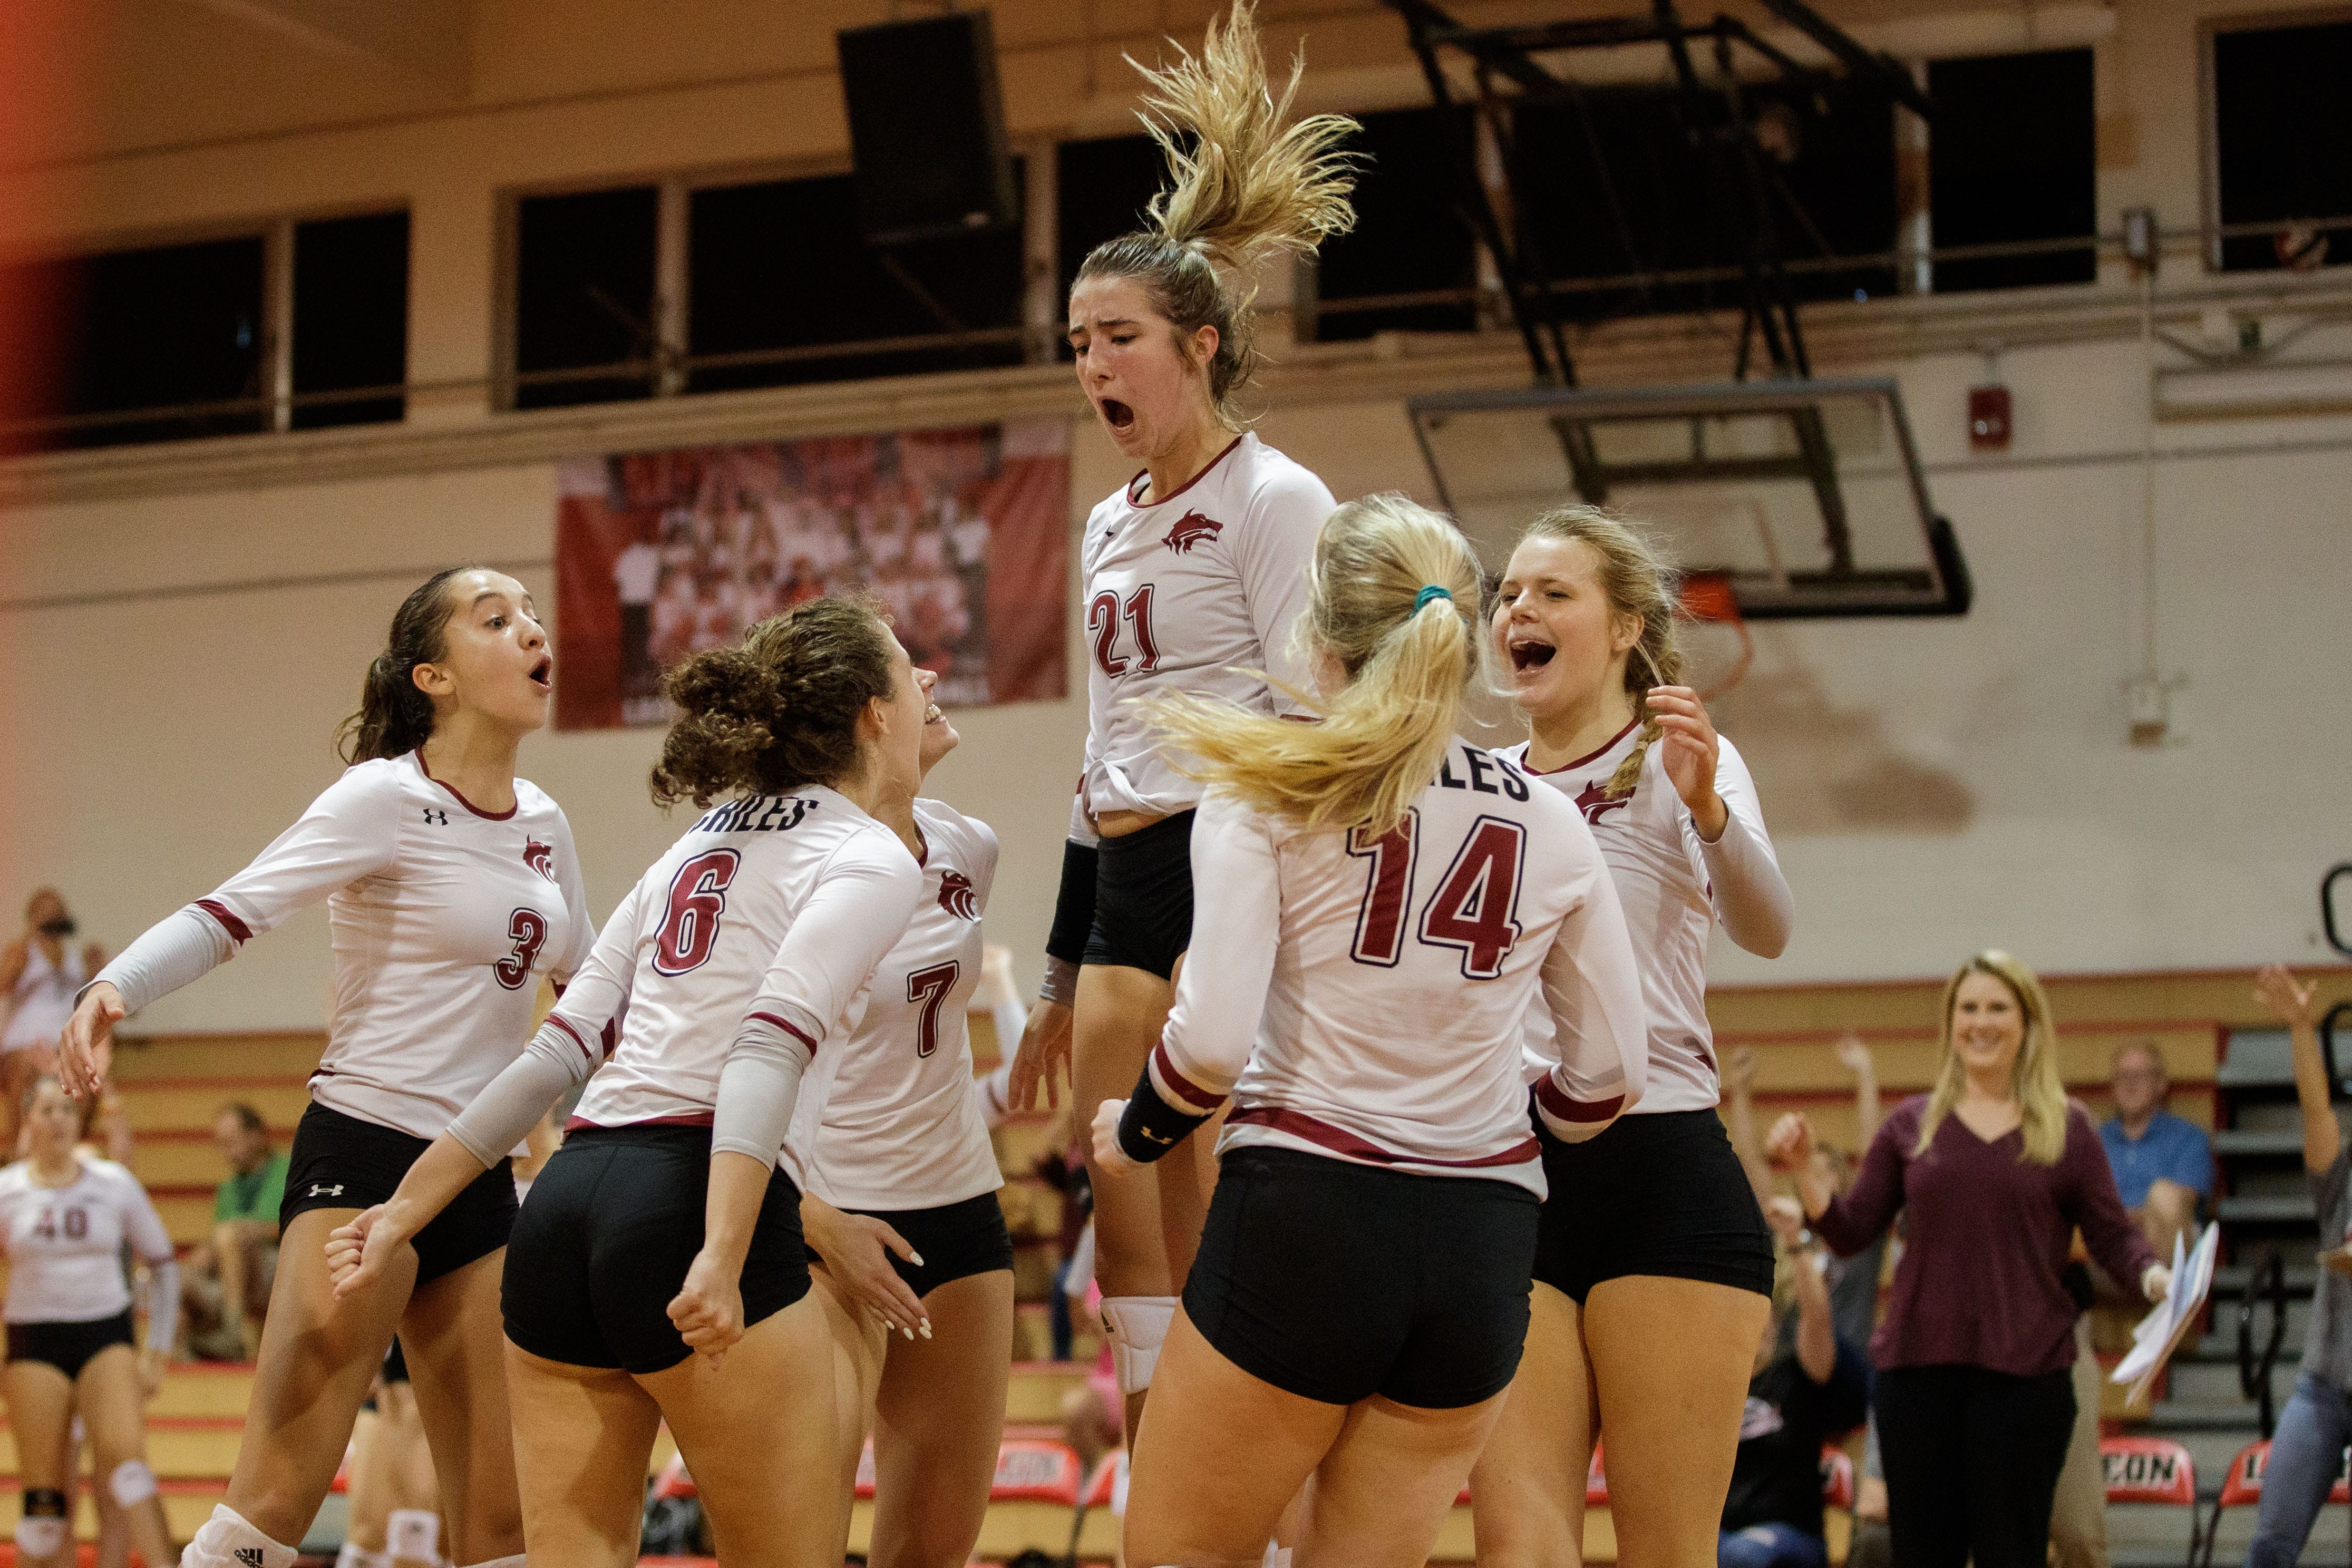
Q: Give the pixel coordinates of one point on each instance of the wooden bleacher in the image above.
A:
(172, 1086)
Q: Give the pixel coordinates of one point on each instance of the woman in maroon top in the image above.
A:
(1997, 1169)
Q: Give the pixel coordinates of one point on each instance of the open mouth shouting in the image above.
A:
(543, 674)
(1118, 416)
(1528, 649)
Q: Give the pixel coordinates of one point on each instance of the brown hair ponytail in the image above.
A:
(780, 710)
(394, 717)
(1244, 188)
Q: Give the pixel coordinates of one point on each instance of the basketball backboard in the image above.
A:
(1806, 496)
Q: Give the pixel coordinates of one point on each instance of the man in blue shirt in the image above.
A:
(2163, 1163)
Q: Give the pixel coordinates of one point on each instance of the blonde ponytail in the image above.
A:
(1393, 602)
(2034, 1077)
(1640, 581)
(1244, 188)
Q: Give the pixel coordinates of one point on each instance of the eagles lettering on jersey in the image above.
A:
(1655, 857)
(901, 1125)
(444, 919)
(704, 935)
(1188, 593)
(1361, 996)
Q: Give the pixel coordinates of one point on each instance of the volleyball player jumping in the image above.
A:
(1194, 575)
(452, 891)
(1391, 901)
(1654, 1274)
(661, 1227)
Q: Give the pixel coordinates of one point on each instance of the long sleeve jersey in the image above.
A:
(1362, 997)
(901, 1125)
(1673, 886)
(1191, 593)
(444, 919)
(772, 909)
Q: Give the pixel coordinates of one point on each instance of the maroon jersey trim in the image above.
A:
(238, 931)
(1557, 1102)
(575, 1036)
(1206, 470)
(1340, 1141)
(1589, 755)
(1200, 1101)
(486, 816)
(789, 1027)
(688, 1119)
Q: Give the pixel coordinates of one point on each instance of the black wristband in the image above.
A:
(1149, 1126)
(1074, 908)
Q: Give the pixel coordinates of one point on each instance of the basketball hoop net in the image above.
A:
(1707, 599)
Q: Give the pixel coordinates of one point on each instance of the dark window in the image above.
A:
(1614, 185)
(2282, 125)
(351, 318)
(1101, 190)
(176, 327)
(778, 268)
(584, 297)
(2012, 156)
(1408, 237)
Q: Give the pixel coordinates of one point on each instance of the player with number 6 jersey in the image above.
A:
(726, 987)
(452, 892)
(1390, 903)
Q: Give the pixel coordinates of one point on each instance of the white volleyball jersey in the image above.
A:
(444, 919)
(1670, 902)
(43, 1000)
(1186, 594)
(64, 1243)
(716, 923)
(901, 1127)
(1363, 998)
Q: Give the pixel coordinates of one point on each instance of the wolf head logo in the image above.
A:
(540, 857)
(1190, 529)
(957, 895)
(1595, 799)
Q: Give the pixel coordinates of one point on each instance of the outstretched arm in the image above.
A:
(2294, 1005)
(1739, 1120)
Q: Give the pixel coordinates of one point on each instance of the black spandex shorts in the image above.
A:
(1143, 897)
(69, 1346)
(1337, 1281)
(953, 1240)
(615, 1220)
(341, 1161)
(1658, 1195)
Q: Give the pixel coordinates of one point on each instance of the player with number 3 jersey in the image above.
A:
(452, 892)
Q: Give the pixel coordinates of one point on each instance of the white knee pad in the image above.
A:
(1137, 1325)
(40, 1537)
(412, 1535)
(228, 1540)
(131, 1482)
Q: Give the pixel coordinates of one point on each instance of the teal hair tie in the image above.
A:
(1426, 594)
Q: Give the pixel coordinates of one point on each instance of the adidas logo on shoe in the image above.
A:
(248, 1555)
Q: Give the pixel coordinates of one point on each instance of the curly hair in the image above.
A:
(1245, 188)
(777, 711)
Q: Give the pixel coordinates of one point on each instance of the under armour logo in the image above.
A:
(318, 1191)
(248, 1555)
(436, 816)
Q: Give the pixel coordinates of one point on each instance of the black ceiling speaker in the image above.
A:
(926, 127)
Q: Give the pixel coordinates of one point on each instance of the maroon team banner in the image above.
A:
(963, 535)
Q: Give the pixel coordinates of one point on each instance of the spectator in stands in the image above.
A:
(1995, 1169)
(39, 973)
(231, 1275)
(2317, 1421)
(1853, 1281)
(1799, 1398)
(2163, 1163)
